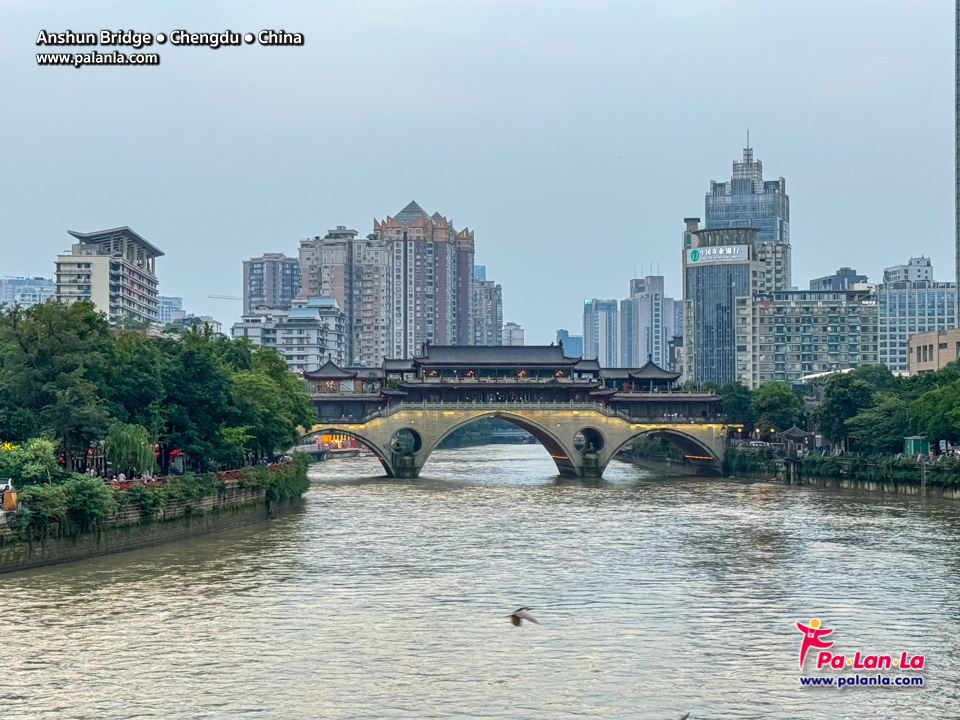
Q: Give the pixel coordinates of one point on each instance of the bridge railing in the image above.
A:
(493, 406)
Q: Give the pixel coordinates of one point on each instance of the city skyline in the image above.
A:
(635, 156)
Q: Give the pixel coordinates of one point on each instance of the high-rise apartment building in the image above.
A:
(487, 313)
(646, 323)
(307, 334)
(114, 269)
(843, 279)
(167, 305)
(911, 302)
(355, 271)
(572, 344)
(788, 335)
(25, 291)
(432, 279)
(719, 266)
(749, 201)
(271, 280)
(600, 328)
(512, 334)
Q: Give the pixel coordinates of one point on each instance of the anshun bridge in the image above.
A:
(582, 414)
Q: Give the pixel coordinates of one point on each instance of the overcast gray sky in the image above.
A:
(572, 136)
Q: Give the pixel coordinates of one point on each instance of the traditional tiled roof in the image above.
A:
(794, 433)
(652, 371)
(592, 365)
(330, 371)
(464, 355)
(397, 365)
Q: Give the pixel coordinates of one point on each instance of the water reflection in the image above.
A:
(385, 598)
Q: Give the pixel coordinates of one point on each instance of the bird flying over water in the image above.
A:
(522, 614)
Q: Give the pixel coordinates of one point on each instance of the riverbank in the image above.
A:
(901, 478)
(144, 520)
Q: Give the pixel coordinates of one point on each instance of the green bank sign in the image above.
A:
(724, 253)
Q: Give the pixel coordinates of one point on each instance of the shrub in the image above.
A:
(90, 502)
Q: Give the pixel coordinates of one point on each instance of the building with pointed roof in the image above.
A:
(432, 280)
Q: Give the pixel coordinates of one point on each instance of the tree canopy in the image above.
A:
(67, 375)
(776, 407)
(872, 410)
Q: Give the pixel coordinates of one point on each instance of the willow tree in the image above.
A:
(128, 447)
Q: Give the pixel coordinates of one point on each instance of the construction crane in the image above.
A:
(224, 297)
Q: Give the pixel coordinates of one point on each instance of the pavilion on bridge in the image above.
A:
(481, 375)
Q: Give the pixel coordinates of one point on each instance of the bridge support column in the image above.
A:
(406, 467)
(591, 467)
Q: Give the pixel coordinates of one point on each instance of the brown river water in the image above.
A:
(386, 599)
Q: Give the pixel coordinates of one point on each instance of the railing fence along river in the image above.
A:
(386, 598)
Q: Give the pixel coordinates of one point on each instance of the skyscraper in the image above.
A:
(355, 271)
(432, 280)
(646, 323)
(273, 280)
(719, 266)
(572, 344)
(600, 327)
(487, 313)
(749, 201)
(909, 302)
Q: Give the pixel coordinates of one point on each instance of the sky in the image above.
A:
(573, 137)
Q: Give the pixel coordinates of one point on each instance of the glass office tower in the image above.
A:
(749, 201)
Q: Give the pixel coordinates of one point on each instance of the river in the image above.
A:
(386, 599)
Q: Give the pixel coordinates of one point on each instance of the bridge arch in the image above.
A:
(700, 455)
(382, 454)
(560, 453)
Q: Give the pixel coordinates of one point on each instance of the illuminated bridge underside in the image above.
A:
(605, 434)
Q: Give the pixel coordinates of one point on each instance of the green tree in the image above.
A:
(936, 413)
(881, 428)
(843, 397)
(736, 405)
(878, 377)
(38, 346)
(76, 415)
(199, 401)
(129, 449)
(272, 403)
(775, 406)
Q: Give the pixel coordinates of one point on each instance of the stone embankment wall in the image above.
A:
(894, 487)
(886, 486)
(179, 520)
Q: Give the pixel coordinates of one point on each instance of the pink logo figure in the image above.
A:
(811, 638)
